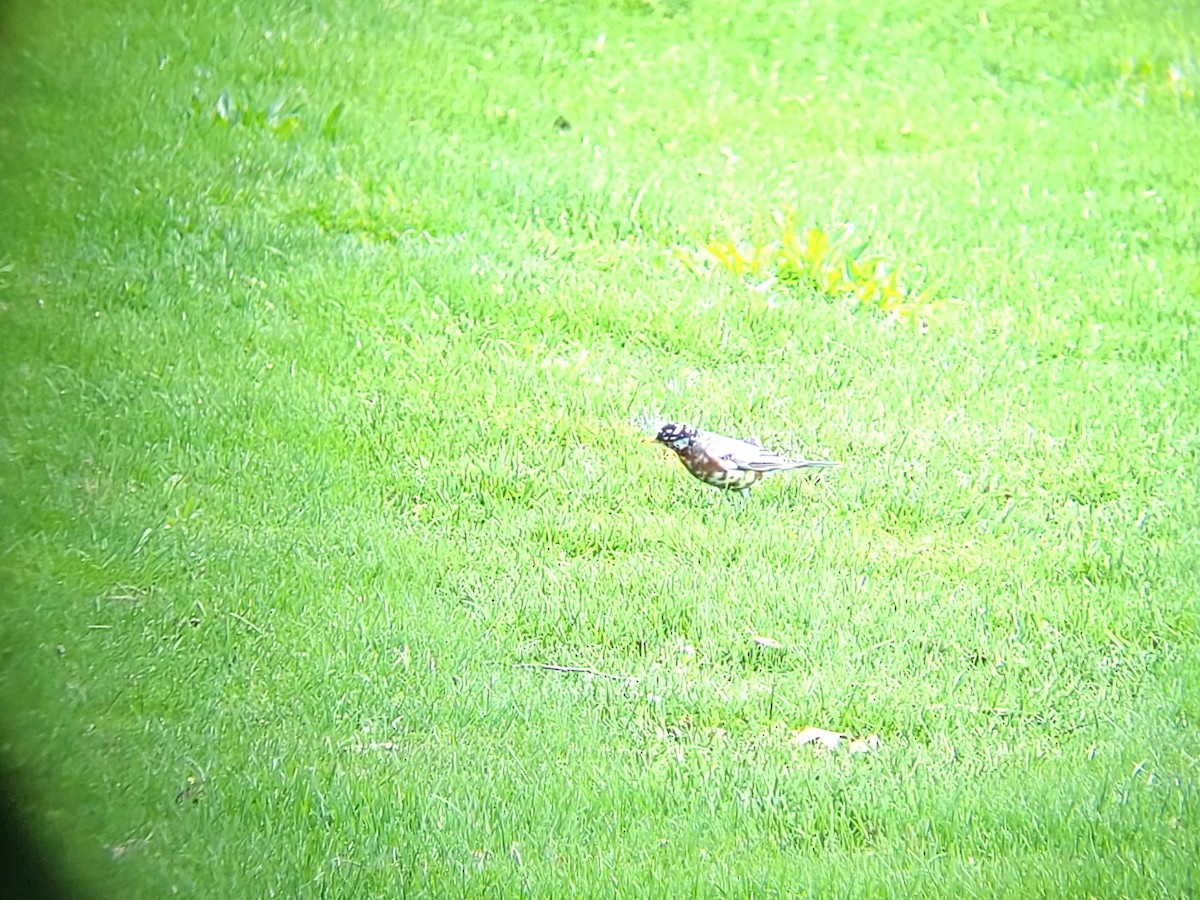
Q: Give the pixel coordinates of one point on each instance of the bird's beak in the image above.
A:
(650, 440)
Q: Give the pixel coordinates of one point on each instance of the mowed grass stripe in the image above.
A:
(324, 346)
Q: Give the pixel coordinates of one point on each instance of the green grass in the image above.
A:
(321, 347)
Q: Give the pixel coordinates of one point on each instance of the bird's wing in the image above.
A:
(767, 461)
(736, 454)
(749, 456)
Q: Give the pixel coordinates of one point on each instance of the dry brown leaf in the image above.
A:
(865, 745)
(830, 740)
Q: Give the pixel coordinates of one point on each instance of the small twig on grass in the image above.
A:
(247, 623)
(896, 451)
(577, 670)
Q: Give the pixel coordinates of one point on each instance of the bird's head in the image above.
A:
(675, 435)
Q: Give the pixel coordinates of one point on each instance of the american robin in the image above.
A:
(726, 462)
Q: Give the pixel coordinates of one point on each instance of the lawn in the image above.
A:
(333, 564)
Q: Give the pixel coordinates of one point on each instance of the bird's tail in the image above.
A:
(783, 464)
(810, 464)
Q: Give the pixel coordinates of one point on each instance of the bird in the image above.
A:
(726, 462)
